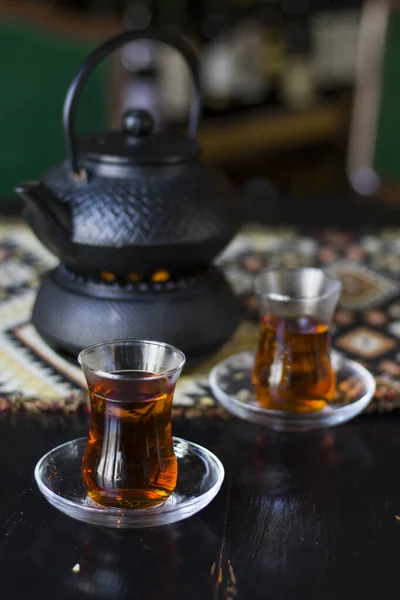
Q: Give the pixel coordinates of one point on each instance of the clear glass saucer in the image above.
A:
(231, 385)
(200, 476)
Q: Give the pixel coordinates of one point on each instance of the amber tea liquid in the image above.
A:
(129, 460)
(293, 370)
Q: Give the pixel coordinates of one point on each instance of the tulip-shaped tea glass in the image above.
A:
(293, 370)
(129, 461)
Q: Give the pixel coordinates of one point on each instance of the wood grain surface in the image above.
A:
(311, 516)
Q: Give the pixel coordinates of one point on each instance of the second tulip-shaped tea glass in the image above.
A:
(129, 460)
(293, 370)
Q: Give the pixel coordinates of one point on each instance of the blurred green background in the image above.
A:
(37, 67)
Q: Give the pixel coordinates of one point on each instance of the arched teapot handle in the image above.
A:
(104, 50)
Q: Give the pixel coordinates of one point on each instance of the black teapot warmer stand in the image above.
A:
(196, 313)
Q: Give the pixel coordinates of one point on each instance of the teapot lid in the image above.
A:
(138, 144)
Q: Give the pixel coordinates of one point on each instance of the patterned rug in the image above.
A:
(366, 328)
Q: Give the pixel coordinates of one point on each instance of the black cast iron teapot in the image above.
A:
(135, 200)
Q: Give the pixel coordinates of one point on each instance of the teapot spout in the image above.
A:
(40, 198)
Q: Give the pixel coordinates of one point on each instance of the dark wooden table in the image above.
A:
(299, 516)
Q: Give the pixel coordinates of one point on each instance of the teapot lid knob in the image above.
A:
(138, 122)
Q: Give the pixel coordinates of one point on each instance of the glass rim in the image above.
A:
(132, 342)
(284, 298)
